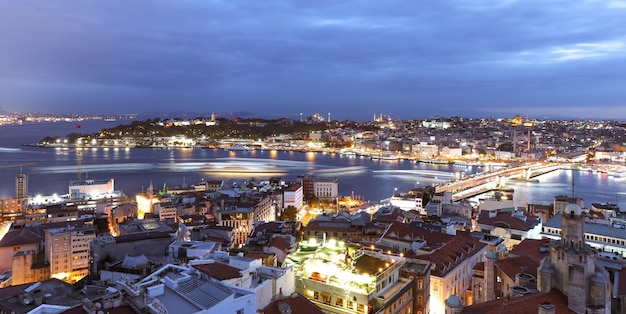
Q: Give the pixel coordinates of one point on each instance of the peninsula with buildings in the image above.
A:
(265, 247)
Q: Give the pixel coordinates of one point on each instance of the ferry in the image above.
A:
(238, 147)
(386, 157)
(110, 119)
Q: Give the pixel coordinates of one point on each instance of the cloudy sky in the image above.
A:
(353, 58)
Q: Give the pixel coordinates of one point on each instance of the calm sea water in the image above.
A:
(134, 169)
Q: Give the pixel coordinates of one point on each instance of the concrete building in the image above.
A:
(175, 289)
(326, 188)
(11, 208)
(67, 251)
(29, 267)
(294, 196)
(408, 202)
(240, 219)
(16, 241)
(108, 249)
(512, 226)
(21, 186)
(265, 208)
(247, 276)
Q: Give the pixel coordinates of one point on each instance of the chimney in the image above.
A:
(546, 308)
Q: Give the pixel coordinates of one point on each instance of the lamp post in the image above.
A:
(416, 184)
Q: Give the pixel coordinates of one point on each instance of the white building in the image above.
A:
(453, 258)
(326, 188)
(294, 196)
(175, 289)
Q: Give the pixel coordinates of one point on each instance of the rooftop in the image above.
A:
(521, 305)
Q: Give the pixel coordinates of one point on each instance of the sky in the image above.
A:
(351, 58)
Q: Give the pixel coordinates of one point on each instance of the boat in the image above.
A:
(347, 153)
(387, 157)
(238, 147)
(110, 119)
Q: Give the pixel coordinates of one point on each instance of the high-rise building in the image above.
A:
(21, 185)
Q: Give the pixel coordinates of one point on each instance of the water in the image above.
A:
(134, 169)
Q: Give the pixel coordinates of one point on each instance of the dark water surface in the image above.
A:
(134, 169)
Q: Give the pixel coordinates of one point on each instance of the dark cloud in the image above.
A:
(349, 57)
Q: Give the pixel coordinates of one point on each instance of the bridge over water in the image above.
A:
(488, 181)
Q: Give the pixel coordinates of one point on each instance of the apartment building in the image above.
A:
(67, 251)
(294, 196)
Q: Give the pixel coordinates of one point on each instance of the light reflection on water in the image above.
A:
(134, 168)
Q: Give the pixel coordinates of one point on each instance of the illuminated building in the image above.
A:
(293, 196)
(11, 208)
(340, 279)
(326, 188)
(453, 258)
(240, 219)
(67, 251)
(28, 267)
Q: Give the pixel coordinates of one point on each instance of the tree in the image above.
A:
(289, 214)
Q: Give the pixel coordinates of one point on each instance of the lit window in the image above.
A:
(339, 302)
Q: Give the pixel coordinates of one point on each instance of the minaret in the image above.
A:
(329, 117)
(490, 280)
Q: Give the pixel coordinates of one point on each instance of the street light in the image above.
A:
(416, 184)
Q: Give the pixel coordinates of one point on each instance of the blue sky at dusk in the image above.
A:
(353, 58)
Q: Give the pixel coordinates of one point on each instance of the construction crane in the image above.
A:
(79, 159)
(24, 164)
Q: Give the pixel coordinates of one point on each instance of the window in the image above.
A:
(350, 304)
(326, 298)
(339, 302)
(360, 308)
(316, 295)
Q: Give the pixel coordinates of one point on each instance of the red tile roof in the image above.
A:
(297, 304)
(280, 243)
(219, 271)
(514, 223)
(292, 188)
(531, 248)
(511, 266)
(521, 305)
(452, 254)
(403, 232)
(21, 236)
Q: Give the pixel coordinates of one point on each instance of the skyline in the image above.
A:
(551, 59)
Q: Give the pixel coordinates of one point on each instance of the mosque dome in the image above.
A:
(454, 301)
(599, 278)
